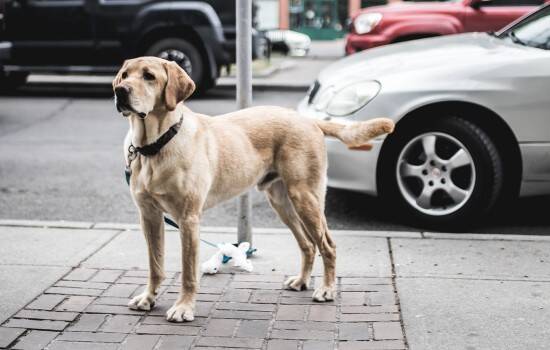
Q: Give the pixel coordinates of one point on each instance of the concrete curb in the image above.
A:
(276, 231)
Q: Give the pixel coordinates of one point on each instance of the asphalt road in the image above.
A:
(61, 159)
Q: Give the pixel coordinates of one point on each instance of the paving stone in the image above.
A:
(291, 313)
(211, 290)
(88, 323)
(202, 309)
(302, 301)
(175, 342)
(80, 274)
(113, 309)
(120, 290)
(322, 313)
(259, 278)
(353, 331)
(81, 284)
(318, 345)
(245, 307)
(140, 342)
(353, 298)
(132, 280)
(301, 334)
(383, 288)
(246, 315)
(8, 335)
(236, 295)
(255, 285)
(375, 298)
(35, 340)
(387, 330)
(47, 315)
(305, 325)
(97, 337)
(37, 324)
(279, 344)
(220, 327)
(66, 345)
(46, 302)
(265, 296)
(180, 329)
(368, 317)
(369, 309)
(76, 303)
(372, 345)
(253, 329)
(365, 280)
(219, 280)
(248, 343)
(112, 301)
(208, 297)
(73, 291)
(120, 324)
(107, 276)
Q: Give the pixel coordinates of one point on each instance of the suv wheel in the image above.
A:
(12, 80)
(183, 53)
(444, 173)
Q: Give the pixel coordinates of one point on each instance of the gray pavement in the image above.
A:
(453, 291)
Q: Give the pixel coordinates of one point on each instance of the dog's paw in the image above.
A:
(296, 283)
(324, 293)
(180, 312)
(144, 301)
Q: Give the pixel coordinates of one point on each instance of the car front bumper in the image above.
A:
(356, 42)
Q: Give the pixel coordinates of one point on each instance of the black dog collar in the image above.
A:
(155, 147)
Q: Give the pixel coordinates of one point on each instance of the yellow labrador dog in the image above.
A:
(183, 162)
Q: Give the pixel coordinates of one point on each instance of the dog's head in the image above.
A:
(145, 84)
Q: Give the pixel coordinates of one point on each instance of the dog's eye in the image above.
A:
(148, 76)
(124, 75)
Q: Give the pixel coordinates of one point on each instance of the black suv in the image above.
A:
(81, 36)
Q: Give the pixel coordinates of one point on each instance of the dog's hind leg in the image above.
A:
(278, 198)
(309, 207)
(153, 230)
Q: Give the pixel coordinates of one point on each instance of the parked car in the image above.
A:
(81, 36)
(472, 121)
(381, 25)
(289, 42)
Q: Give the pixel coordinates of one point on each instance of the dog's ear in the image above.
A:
(118, 77)
(179, 85)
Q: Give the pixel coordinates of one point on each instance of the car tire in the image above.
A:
(185, 54)
(12, 80)
(443, 174)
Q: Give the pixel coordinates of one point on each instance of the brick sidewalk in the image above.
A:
(87, 310)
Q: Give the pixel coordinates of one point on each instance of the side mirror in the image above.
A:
(476, 4)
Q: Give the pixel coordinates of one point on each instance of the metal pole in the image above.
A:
(244, 99)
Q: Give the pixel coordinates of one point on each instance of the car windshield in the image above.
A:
(533, 31)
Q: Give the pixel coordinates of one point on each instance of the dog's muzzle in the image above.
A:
(122, 101)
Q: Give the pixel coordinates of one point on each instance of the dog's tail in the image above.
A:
(357, 135)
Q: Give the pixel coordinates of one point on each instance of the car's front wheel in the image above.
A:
(443, 173)
(184, 54)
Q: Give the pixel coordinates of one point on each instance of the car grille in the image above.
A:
(313, 91)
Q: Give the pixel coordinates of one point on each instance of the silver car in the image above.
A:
(472, 114)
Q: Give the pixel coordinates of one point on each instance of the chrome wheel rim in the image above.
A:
(435, 173)
(179, 57)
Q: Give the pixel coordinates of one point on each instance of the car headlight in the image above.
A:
(349, 99)
(365, 22)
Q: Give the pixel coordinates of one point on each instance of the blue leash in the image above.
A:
(171, 222)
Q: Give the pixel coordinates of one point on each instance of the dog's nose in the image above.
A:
(122, 92)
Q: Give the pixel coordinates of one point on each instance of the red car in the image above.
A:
(381, 25)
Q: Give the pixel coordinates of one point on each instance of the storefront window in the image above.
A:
(317, 18)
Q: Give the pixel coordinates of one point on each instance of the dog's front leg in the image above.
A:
(183, 308)
(153, 230)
